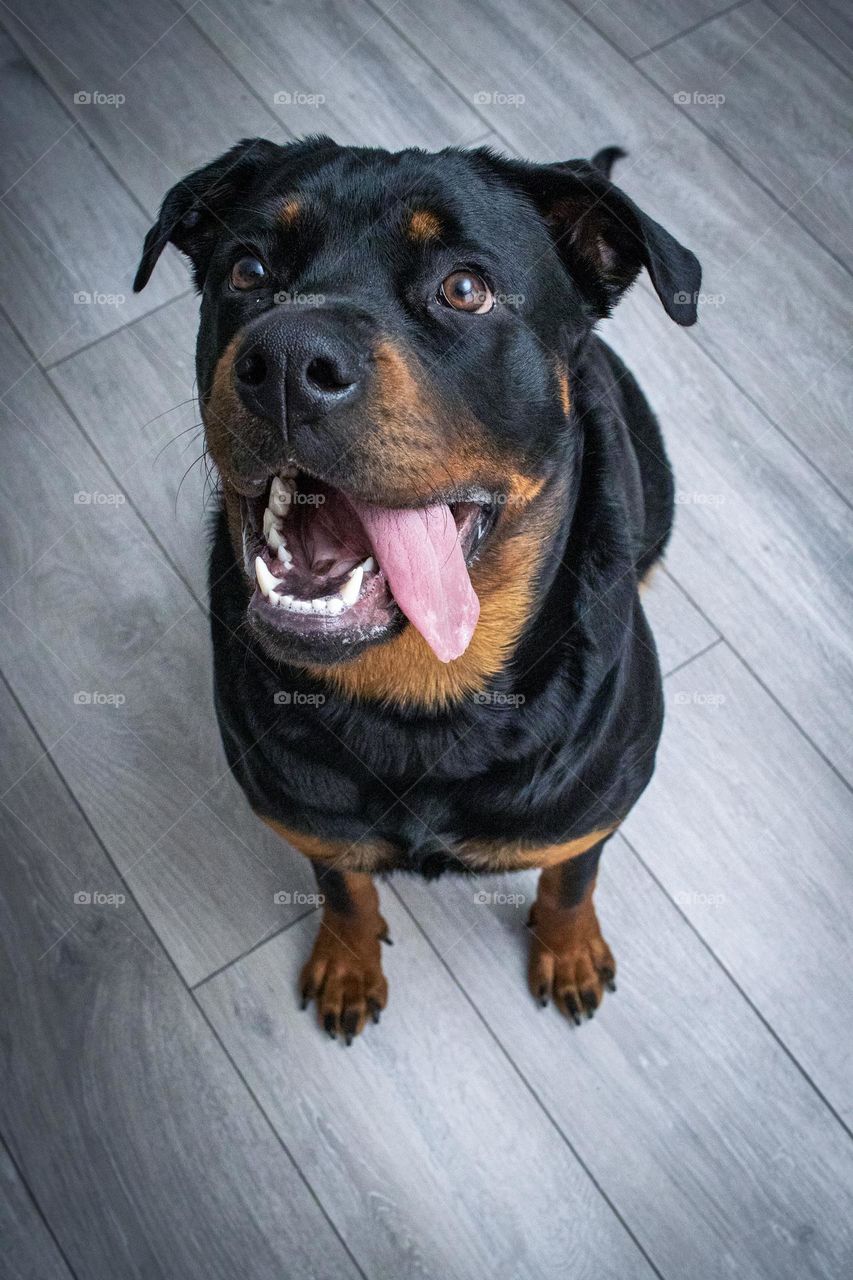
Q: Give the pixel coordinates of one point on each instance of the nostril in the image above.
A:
(325, 375)
(251, 369)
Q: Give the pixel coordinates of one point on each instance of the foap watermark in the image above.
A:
(495, 98)
(286, 298)
(685, 499)
(298, 98)
(284, 898)
(297, 698)
(95, 98)
(695, 98)
(499, 898)
(698, 898)
(497, 698)
(94, 698)
(94, 898)
(699, 299)
(696, 698)
(84, 498)
(85, 298)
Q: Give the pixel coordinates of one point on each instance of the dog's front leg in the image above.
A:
(569, 959)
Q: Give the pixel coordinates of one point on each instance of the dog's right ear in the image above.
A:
(195, 211)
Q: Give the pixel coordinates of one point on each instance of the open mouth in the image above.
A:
(333, 573)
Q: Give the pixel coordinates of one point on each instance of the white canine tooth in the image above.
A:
(349, 591)
(369, 565)
(266, 581)
(281, 493)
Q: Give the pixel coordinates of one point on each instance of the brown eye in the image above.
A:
(247, 273)
(465, 291)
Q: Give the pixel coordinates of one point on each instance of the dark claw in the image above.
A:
(610, 984)
(543, 997)
(329, 1025)
(589, 1001)
(375, 1011)
(349, 1023)
(574, 1011)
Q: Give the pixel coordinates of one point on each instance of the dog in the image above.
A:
(441, 493)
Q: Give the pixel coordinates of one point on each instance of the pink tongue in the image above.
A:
(419, 553)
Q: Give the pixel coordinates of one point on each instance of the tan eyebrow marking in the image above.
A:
(424, 225)
(290, 211)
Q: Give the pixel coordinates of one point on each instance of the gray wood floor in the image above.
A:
(166, 1112)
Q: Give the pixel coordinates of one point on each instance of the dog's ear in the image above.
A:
(604, 239)
(195, 211)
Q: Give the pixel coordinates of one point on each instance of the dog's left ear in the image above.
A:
(194, 213)
(605, 240)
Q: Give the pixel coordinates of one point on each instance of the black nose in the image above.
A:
(297, 369)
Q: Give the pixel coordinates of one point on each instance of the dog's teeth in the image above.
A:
(281, 495)
(266, 581)
(335, 605)
(349, 591)
(284, 555)
(269, 521)
(369, 565)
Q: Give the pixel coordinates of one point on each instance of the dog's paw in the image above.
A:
(344, 976)
(570, 963)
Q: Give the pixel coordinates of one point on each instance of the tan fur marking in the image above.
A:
(424, 225)
(344, 855)
(290, 211)
(497, 856)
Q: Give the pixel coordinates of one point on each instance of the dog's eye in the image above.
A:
(247, 273)
(466, 291)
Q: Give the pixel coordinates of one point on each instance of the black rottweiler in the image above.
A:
(440, 495)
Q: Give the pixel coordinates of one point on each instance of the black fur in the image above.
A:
(573, 748)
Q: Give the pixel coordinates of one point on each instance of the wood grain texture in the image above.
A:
(144, 1149)
(71, 232)
(758, 858)
(338, 69)
(787, 115)
(92, 614)
(635, 26)
(433, 1159)
(761, 542)
(827, 23)
(575, 93)
(673, 1095)
(27, 1249)
(152, 56)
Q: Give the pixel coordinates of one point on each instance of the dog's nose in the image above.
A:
(291, 371)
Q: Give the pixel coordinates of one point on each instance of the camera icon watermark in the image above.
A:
(696, 698)
(699, 299)
(284, 898)
(297, 698)
(298, 98)
(85, 898)
(499, 898)
(495, 98)
(698, 898)
(85, 298)
(85, 698)
(697, 99)
(497, 698)
(96, 499)
(285, 297)
(94, 98)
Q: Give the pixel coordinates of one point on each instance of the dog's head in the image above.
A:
(385, 365)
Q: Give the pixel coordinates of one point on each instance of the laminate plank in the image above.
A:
(759, 857)
(695, 1123)
(433, 1158)
(679, 629)
(27, 1250)
(761, 543)
(636, 25)
(147, 1154)
(109, 652)
(72, 232)
(183, 104)
(787, 115)
(338, 69)
(780, 329)
(827, 23)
